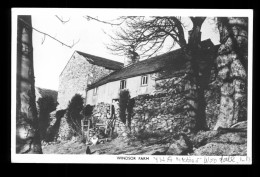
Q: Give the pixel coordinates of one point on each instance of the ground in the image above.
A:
(229, 141)
(116, 146)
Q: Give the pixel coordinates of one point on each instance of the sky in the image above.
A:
(50, 57)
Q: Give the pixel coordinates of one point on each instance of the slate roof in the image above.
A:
(175, 59)
(99, 61)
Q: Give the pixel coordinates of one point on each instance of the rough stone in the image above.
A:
(223, 73)
(203, 138)
(237, 70)
(224, 60)
(226, 48)
(227, 89)
(182, 146)
(225, 118)
(239, 86)
(224, 141)
(240, 125)
(75, 77)
(220, 149)
(64, 130)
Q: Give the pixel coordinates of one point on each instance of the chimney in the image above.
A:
(132, 57)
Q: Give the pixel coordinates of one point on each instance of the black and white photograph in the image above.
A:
(136, 86)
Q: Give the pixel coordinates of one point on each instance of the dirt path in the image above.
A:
(114, 147)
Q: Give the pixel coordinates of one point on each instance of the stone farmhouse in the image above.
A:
(141, 77)
(82, 69)
(100, 80)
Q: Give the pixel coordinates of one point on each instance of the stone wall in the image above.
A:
(162, 112)
(165, 111)
(75, 76)
(153, 113)
(65, 132)
(158, 113)
(102, 114)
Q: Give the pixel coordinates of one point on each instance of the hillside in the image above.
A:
(41, 92)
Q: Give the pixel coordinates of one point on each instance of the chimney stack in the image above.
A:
(132, 57)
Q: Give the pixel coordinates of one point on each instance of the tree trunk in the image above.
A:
(232, 64)
(27, 132)
(196, 98)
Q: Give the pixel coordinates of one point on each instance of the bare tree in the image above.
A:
(27, 136)
(46, 34)
(148, 35)
(27, 123)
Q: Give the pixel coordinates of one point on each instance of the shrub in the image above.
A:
(124, 97)
(74, 116)
(88, 110)
(46, 105)
(130, 107)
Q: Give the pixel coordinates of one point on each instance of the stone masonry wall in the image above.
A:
(75, 77)
(161, 113)
(64, 132)
(153, 113)
(102, 113)
(157, 113)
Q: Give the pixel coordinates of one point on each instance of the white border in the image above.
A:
(46, 158)
(135, 12)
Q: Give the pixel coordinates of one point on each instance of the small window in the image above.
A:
(144, 80)
(122, 84)
(95, 91)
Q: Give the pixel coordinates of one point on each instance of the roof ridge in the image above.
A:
(155, 62)
(99, 57)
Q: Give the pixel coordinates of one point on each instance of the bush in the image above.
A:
(88, 110)
(130, 107)
(74, 116)
(124, 97)
(46, 105)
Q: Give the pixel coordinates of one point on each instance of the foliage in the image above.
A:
(124, 97)
(46, 105)
(60, 113)
(129, 108)
(88, 110)
(74, 116)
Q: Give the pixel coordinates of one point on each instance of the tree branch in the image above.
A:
(61, 19)
(147, 35)
(92, 18)
(45, 34)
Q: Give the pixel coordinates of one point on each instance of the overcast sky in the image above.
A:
(50, 57)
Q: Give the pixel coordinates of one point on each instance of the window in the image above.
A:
(122, 84)
(95, 91)
(144, 80)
